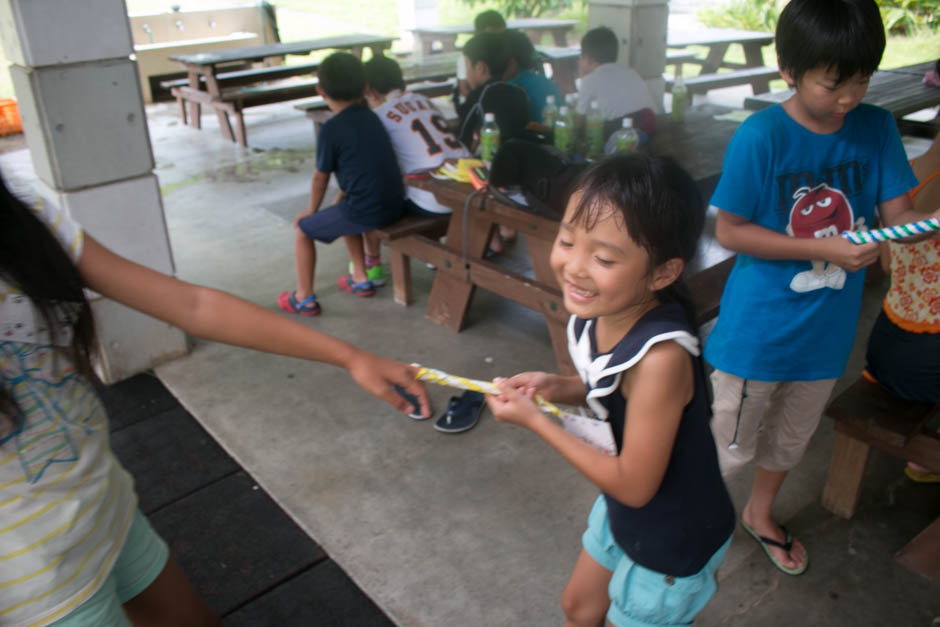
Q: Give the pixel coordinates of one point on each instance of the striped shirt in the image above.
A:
(65, 503)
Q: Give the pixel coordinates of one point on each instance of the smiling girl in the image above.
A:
(663, 522)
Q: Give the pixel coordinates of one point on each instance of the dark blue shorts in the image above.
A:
(327, 224)
(905, 363)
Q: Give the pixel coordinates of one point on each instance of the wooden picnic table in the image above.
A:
(698, 144)
(204, 86)
(718, 41)
(534, 27)
(901, 91)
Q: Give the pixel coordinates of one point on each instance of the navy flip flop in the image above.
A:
(462, 413)
(411, 398)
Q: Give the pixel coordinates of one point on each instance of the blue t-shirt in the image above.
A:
(539, 88)
(784, 320)
(356, 146)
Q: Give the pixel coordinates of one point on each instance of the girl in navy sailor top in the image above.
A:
(663, 522)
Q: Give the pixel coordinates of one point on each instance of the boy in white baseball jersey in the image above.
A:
(421, 138)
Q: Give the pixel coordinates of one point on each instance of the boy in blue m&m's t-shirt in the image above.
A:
(795, 176)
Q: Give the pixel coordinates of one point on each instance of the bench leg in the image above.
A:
(195, 115)
(846, 471)
(224, 124)
(401, 277)
(181, 105)
(240, 131)
(753, 57)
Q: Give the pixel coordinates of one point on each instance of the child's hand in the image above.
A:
(530, 383)
(378, 376)
(510, 405)
(848, 256)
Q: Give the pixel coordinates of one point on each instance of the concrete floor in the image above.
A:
(474, 529)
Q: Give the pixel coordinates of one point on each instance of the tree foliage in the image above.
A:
(900, 17)
(528, 8)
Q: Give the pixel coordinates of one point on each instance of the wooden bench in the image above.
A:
(241, 89)
(757, 77)
(236, 100)
(867, 416)
(430, 227)
(248, 76)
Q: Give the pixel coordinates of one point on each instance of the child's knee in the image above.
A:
(581, 610)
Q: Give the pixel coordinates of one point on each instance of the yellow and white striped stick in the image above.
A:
(462, 383)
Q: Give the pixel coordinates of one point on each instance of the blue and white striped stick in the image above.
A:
(892, 232)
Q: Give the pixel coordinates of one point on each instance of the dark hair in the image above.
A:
(341, 77)
(488, 20)
(492, 49)
(383, 74)
(601, 45)
(520, 49)
(33, 261)
(659, 203)
(842, 35)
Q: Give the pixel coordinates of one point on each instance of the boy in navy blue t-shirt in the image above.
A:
(354, 145)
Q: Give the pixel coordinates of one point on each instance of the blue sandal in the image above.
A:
(365, 288)
(462, 413)
(307, 307)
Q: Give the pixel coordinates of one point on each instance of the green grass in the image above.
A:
(306, 19)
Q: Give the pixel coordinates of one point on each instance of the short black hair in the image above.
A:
(341, 77)
(520, 49)
(846, 36)
(488, 20)
(601, 45)
(383, 74)
(657, 202)
(492, 49)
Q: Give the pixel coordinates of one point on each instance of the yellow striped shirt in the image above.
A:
(65, 502)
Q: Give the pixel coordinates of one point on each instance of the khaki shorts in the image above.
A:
(769, 422)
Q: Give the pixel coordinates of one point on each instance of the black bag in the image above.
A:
(543, 174)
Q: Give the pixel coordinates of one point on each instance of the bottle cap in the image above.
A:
(550, 99)
(627, 123)
(563, 110)
(489, 117)
(594, 106)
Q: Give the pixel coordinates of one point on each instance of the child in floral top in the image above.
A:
(904, 347)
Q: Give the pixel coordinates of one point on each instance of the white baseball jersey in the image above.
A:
(421, 139)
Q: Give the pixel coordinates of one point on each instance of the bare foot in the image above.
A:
(769, 529)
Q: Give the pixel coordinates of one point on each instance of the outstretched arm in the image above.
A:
(222, 317)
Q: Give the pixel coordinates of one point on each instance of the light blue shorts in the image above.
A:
(141, 560)
(640, 597)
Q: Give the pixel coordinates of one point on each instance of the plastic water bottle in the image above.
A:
(489, 139)
(571, 101)
(549, 111)
(594, 133)
(563, 135)
(626, 137)
(680, 96)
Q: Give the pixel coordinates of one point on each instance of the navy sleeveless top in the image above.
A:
(691, 515)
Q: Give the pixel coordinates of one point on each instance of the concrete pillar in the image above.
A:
(412, 13)
(83, 119)
(640, 26)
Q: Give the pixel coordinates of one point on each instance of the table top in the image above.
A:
(256, 53)
(698, 143)
(711, 36)
(530, 23)
(901, 91)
